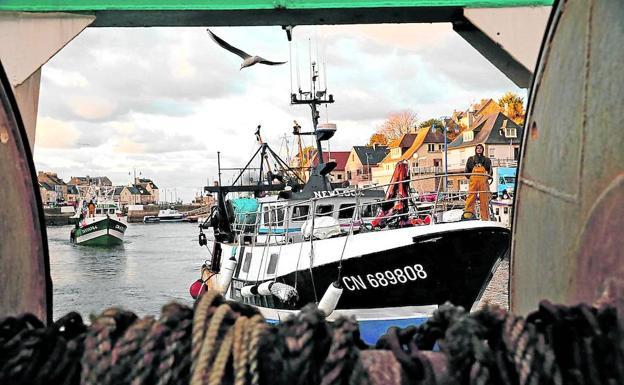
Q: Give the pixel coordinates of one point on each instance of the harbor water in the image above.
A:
(154, 266)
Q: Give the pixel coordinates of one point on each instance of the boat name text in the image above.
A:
(89, 229)
(397, 276)
(325, 194)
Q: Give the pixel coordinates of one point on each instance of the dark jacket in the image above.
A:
(477, 160)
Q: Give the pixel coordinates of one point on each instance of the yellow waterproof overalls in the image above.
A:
(478, 184)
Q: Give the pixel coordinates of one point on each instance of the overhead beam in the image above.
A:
(510, 38)
(171, 13)
(27, 42)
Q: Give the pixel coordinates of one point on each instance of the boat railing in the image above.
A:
(279, 225)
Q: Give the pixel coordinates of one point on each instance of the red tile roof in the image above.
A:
(340, 157)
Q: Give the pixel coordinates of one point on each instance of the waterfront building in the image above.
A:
(468, 118)
(56, 183)
(73, 194)
(100, 181)
(425, 157)
(338, 174)
(500, 137)
(360, 162)
(382, 173)
(48, 194)
(151, 187)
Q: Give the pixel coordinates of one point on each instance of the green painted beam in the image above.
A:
(196, 13)
(240, 5)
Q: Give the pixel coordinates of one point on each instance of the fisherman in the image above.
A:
(478, 164)
(91, 208)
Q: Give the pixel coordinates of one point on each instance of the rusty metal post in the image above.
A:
(25, 282)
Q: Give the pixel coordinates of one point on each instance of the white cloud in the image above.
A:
(64, 78)
(53, 133)
(91, 107)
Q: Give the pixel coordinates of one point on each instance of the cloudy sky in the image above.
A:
(163, 101)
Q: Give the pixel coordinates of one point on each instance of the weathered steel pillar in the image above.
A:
(569, 213)
(25, 283)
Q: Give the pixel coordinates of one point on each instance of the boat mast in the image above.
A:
(314, 98)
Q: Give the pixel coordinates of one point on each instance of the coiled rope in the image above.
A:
(221, 342)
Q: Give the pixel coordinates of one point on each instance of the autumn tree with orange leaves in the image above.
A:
(397, 124)
(513, 107)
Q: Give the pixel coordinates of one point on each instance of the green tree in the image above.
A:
(439, 125)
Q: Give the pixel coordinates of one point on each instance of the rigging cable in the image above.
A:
(350, 233)
(312, 251)
(290, 64)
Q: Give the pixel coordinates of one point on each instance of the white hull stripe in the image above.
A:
(99, 233)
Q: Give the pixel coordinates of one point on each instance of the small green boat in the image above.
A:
(102, 227)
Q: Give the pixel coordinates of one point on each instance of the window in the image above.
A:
(440, 147)
(272, 264)
(437, 162)
(431, 147)
(349, 176)
(468, 136)
(278, 216)
(359, 172)
(98, 211)
(324, 210)
(511, 132)
(339, 176)
(505, 210)
(111, 211)
(346, 211)
(369, 210)
(497, 211)
(396, 152)
(246, 263)
(300, 213)
(266, 216)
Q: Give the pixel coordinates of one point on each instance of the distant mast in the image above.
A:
(318, 176)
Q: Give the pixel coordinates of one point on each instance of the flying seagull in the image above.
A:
(248, 60)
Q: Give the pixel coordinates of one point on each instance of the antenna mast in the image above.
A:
(314, 98)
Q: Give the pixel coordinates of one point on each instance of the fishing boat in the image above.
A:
(98, 220)
(373, 253)
(166, 215)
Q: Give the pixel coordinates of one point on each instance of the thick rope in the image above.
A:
(223, 342)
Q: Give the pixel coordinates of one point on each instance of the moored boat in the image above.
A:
(375, 253)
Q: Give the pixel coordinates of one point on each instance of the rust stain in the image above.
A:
(533, 130)
(600, 272)
(4, 134)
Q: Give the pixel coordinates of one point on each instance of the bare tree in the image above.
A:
(397, 124)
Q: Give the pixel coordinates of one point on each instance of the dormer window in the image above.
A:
(396, 152)
(430, 147)
(511, 132)
(468, 136)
